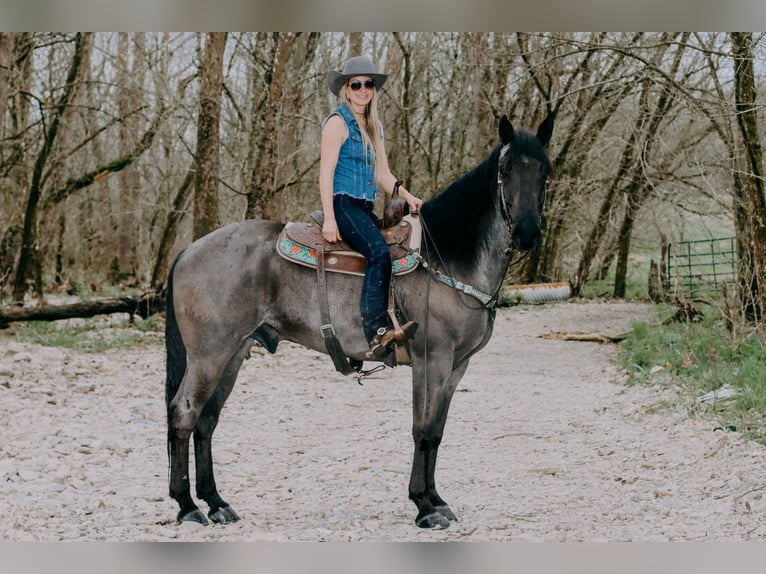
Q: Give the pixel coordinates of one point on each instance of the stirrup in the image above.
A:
(387, 337)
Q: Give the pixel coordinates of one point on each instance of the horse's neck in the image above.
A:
(467, 228)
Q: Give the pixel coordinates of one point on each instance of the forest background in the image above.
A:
(119, 149)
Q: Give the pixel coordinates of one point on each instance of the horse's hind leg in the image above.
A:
(197, 387)
(220, 511)
(178, 450)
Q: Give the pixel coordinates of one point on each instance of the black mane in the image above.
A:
(458, 217)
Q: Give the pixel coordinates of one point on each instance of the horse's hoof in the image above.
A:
(446, 513)
(433, 521)
(224, 515)
(194, 515)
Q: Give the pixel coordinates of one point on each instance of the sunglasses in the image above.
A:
(356, 86)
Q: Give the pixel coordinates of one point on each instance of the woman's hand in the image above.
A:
(330, 230)
(415, 203)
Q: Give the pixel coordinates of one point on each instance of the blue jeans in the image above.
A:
(356, 223)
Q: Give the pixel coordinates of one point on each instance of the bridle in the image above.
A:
(507, 213)
(488, 301)
(503, 203)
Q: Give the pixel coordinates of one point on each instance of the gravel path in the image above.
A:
(544, 442)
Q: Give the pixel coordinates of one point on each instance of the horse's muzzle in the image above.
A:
(525, 238)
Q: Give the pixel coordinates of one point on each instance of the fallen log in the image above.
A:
(585, 337)
(143, 305)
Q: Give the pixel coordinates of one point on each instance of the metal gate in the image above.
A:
(701, 265)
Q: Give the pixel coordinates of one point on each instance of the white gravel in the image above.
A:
(544, 442)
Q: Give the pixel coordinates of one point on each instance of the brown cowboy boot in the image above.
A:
(385, 338)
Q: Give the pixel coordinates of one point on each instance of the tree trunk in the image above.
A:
(485, 126)
(747, 288)
(29, 255)
(8, 235)
(17, 154)
(623, 250)
(6, 61)
(293, 129)
(206, 217)
(130, 87)
(406, 133)
(664, 279)
(600, 227)
(160, 270)
(747, 120)
(653, 285)
(262, 188)
(727, 131)
(355, 44)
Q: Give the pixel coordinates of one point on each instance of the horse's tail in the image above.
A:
(175, 365)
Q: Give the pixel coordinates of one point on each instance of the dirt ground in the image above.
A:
(544, 442)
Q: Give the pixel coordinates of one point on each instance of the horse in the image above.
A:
(230, 289)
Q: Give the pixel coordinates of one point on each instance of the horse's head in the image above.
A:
(522, 176)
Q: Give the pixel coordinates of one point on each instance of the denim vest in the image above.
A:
(354, 174)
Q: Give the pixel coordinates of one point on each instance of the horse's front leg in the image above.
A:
(432, 393)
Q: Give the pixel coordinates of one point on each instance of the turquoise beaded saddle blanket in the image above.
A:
(298, 242)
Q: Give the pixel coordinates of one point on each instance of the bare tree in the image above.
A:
(645, 178)
(6, 54)
(747, 120)
(206, 217)
(14, 152)
(7, 251)
(130, 87)
(645, 128)
(297, 151)
(169, 233)
(28, 257)
(406, 76)
(628, 178)
(355, 41)
(262, 185)
(719, 118)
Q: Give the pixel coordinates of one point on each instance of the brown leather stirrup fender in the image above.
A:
(331, 342)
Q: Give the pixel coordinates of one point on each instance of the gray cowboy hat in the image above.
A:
(358, 66)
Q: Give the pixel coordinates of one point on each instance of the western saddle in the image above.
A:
(302, 243)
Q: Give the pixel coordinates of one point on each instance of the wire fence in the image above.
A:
(701, 266)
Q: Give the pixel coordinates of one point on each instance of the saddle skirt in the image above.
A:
(298, 242)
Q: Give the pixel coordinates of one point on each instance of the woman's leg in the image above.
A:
(356, 224)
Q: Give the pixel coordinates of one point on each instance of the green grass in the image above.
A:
(696, 358)
(89, 335)
(636, 281)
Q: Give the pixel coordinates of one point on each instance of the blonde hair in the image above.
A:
(370, 136)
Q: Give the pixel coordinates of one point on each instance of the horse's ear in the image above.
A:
(545, 130)
(506, 130)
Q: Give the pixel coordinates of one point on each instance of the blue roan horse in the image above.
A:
(230, 288)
